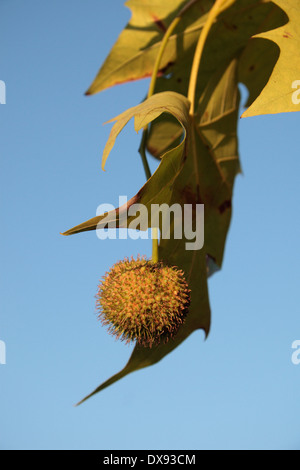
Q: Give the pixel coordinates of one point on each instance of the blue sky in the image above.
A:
(236, 390)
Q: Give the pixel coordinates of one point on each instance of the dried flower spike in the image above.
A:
(143, 302)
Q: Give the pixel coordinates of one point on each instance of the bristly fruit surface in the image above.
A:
(143, 301)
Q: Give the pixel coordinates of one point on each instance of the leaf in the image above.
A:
(256, 60)
(149, 110)
(164, 186)
(157, 189)
(133, 55)
(136, 49)
(199, 154)
(277, 96)
(200, 169)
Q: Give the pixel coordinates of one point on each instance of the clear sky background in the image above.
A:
(236, 390)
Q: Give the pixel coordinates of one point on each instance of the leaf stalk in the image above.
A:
(142, 149)
(216, 10)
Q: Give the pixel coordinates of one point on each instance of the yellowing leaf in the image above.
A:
(280, 94)
(133, 56)
(200, 170)
(146, 112)
(135, 51)
(199, 153)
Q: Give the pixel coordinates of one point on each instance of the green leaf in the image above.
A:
(201, 169)
(135, 51)
(146, 112)
(229, 39)
(199, 154)
(157, 189)
(166, 185)
(133, 55)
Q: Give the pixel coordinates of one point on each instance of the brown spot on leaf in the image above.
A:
(287, 35)
(230, 26)
(189, 196)
(159, 23)
(163, 70)
(251, 68)
(223, 207)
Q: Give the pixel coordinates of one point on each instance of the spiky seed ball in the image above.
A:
(143, 302)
